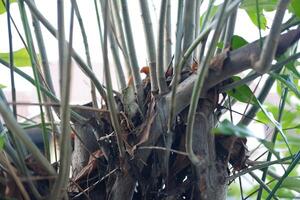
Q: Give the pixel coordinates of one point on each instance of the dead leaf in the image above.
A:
(235, 148)
(146, 126)
(90, 167)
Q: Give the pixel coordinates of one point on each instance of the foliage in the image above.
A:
(21, 58)
(155, 138)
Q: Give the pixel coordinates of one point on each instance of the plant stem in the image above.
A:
(137, 81)
(149, 36)
(60, 184)
(111, 100)
(84, 67)
(285, 175)
(270, 45)
(198, 87)
(161, 80)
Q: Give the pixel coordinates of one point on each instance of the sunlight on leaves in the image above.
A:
(291, 183)
(267, 5)
(242, 93)
(286, 80)
(264, 5)
(2, 86)
(227, 128)
(21, 58)
(2, 6)
(270, 116)
(295, 7)
(263, 21)
(237, 42)
(212, 13)
(2, 142)
(291, 67)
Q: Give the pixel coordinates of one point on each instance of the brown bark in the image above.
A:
(149, 168)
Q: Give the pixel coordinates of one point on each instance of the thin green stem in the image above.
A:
(270, 45)
(45, 68)
(259, 166)
(230, 28)
(198, 87)
(189, 27)
(43, 54)
(179, 32)
(258, 22)
(11, 58)
(111, 101)
(186, 55)
(60, 184)
(284, 176)
(35, 70)
(137, 81)
(149, 36)
(204, 24)
(75, 116)
(19, 133)
(167, 38)
(87, 50)
(84, 67)
(161, 80)
(261, 183)
(114, 50)
(274, 137)
(197, 21)
(119, 34)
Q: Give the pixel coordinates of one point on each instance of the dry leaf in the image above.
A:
(90, 167)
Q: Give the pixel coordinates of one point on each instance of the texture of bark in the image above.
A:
(123, 187)
(237, 61)
(82, 148)
(212, 182)
(147, 173)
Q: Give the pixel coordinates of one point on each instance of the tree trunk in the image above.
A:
(211, 177)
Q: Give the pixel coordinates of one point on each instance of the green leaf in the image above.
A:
(2, 142)
(296, 7)
(250, 7)
(227, 128)
(289, 121)
(2, 86)
(242, 93)
(276, 124)
(237, 42)
(267, 5)
(212, 13)
(2, 139)
(286, 80)
(294, 127)
(270, 146)
(2, 7)
(21, 58)
(262, 19)
(292, 68)
(220, 45)
(291, 183)
(285, 194)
